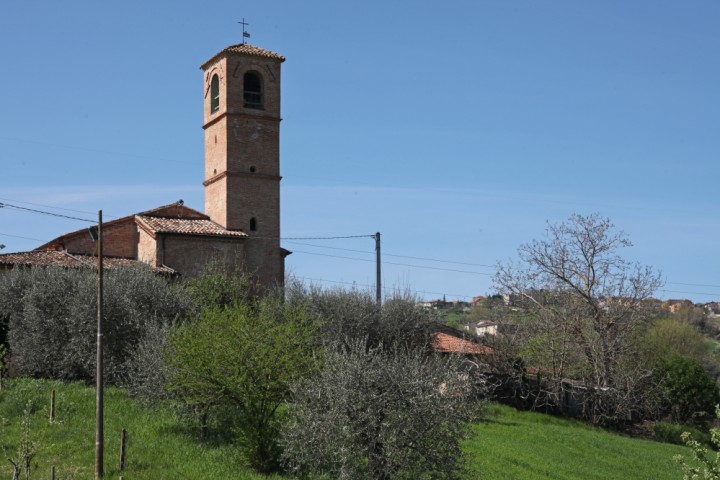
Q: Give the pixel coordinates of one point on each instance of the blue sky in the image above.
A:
(457, 130)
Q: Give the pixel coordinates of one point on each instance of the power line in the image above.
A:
(18, 236)
(45, 213)
(716, 294)
(395, 263)
(692, 284)
(370, 286)
(396, 255)
(46, 206)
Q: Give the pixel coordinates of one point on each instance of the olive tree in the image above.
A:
(380, 413)
(587, 312)
(52, 311)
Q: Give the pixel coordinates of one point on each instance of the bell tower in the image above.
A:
(241, 90)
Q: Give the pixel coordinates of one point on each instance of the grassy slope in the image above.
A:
(162, 445)
(528, 446)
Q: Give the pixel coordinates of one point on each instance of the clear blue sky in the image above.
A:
(456, 129)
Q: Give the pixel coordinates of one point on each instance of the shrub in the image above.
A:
(380, 413)
(53, 315)
(244, 355)
(689, 394)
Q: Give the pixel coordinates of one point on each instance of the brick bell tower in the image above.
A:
(241, 90)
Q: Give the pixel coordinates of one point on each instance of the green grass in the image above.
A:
(511, 444)
(163, 444)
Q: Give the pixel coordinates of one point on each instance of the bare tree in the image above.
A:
(588, 311)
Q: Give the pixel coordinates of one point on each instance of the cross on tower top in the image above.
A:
(245, 34)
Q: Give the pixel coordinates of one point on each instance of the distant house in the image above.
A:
(674, 304)
(482, 328)
(476, 300)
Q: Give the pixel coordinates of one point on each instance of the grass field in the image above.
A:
(163, 444)
(523, 445)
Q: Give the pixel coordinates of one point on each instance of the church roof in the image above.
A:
(185, 226)
(246, 49)
(64, 259)
(172, 210)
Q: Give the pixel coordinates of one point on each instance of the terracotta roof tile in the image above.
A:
(64, 259)
(247, 49)
(186, 226)
(442, 342)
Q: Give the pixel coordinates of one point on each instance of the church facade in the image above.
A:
(240, 227)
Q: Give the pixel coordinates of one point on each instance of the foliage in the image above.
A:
(587, 305)
(689, 393)
(216, 287)
(27, 448)
(146, 372)
(52, 330)
(669, 337)
(348, 315)
(695, 316)
(245, 355)
(380, 413)
(669, 432)
(709, 467)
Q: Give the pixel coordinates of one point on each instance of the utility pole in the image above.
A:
(378, 282)
(99, 373)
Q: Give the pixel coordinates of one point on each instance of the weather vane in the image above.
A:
(245, 34)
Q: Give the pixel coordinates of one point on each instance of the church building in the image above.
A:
(240, 227)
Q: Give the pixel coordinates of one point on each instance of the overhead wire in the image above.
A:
(46, 206)
(17, 207)
(394, 263)
(18, 236)
(372, 286)
(385, 254)
(338, 237)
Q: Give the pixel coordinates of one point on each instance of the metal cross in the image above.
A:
(245, 34)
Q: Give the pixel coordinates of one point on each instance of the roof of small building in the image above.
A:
(186, 226)
(64, 259)
(446, 343)
(246, 49)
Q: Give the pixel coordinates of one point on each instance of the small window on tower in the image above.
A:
(253, 90)
(214, 94)
(253, 224)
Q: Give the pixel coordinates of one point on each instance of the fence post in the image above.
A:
(52, 406)
(123, 442)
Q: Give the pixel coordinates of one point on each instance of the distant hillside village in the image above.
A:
(476, 316)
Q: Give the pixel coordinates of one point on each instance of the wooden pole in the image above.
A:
(99, 427)
(123, 448)
(378, 281)
(52, 406)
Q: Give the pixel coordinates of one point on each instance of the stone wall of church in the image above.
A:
(189, 255)
(119, 240)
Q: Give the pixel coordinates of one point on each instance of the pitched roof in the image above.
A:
(64, 259)
(447, 343)
(246, 49)
(172, 210)
(185, 226)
